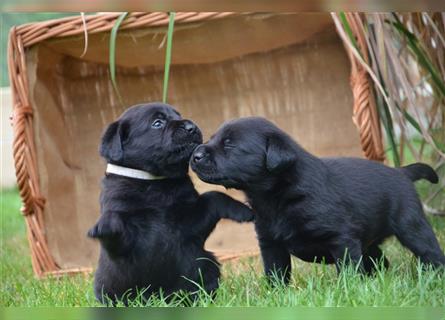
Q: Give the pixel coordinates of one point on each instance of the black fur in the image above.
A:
(152, 232)
(419, 171)
(317, 208)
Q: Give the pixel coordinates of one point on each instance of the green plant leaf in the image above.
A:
(348, 29)
(387, 121)
(112, 49)
(421, 55)
(424, 60)
(410, 118)
(168, 53)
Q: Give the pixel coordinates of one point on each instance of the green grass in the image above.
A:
(242, 284)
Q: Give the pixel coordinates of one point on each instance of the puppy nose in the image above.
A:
(199, 154)
(189, 126)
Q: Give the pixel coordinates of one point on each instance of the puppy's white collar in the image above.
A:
(131, 173)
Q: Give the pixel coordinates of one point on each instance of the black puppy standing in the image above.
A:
(317, 208)
(153, 222)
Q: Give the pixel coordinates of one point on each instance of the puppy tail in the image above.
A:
(419, 171)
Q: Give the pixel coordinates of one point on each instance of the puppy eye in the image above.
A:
(228, 143)
(157, 124)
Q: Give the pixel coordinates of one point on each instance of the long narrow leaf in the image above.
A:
(425, 61)
(420, 54)
(168, 53)
(348, 30)
(385, 114)
(112, 59)
(387, 121)
(382, 106)
(85, 34)
(410, 118)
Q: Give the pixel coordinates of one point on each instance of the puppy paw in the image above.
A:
(93, 232)
(226, 207)
(107, 226)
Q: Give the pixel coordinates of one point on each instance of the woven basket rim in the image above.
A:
(34, 32)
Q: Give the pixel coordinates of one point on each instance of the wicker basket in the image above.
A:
(244, 42)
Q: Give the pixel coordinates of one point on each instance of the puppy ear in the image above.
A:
(111, 146)
(279, 154)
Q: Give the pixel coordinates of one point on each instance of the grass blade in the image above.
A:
(168, 53)
(112, 48)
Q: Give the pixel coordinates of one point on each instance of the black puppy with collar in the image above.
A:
(153, 223)
(318, 209)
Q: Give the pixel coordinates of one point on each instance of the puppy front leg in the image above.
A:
(226, 207)
(212, 207)
(276, 260)
(348, 253)
(109, 230)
